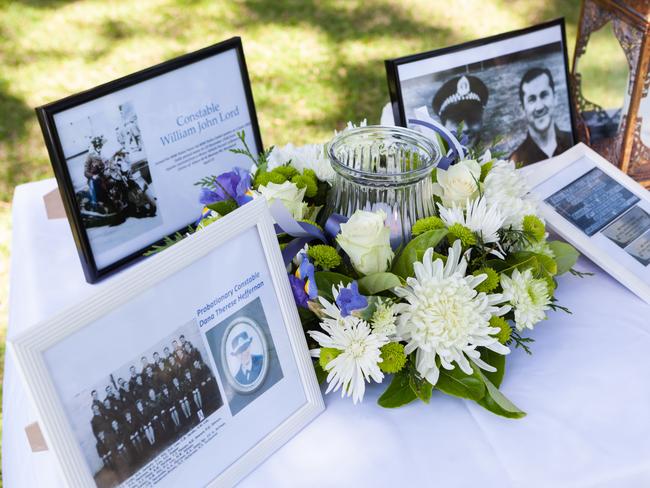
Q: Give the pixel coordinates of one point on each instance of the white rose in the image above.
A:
(289, 194)
(459, 183)
(366, 240)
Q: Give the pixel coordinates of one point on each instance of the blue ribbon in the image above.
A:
(302, 232)
(456, 151)
(333, 225)
(293, 248)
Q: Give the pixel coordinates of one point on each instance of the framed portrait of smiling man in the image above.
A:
(512, 87)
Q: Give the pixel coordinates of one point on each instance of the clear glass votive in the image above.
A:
(387, 168)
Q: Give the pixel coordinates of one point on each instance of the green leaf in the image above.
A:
(498, 361)
(498, 265)
(168, 242)
(206, 182)
(496, 402)
(566, 255)
(308, 319)
(421, 387)
(378, 282)
(485, 169)
(455, 382)
(224, 207)
(540, 264)
(399, 392)
(521, 260)
(321, 374)
(547, 265)
(414, 250)
(367, 313)
(326, 279)
(312, 212)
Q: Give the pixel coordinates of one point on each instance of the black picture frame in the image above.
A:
(46, 117)
(395, 88)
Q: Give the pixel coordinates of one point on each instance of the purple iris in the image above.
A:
(350, 299)
(306, 273)
(298, 289)
(234, 185)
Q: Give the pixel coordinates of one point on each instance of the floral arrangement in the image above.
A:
(441, 312)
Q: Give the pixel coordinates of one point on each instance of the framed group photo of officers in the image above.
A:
(146, 405)
(188, 368)
(511, 89)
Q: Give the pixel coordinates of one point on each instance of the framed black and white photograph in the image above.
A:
(512, 87)
(187, 370)
(138, 410)
(600, 210)
(127, 154)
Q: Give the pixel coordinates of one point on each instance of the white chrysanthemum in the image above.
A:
(477, 216)
(445, 317)
(528, 296)
(310, 156)
(506, 189)
(360, 354)
(352, 125)
(384, 320)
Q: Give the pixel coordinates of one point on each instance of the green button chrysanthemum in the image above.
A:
(324, 256)
(264, 178)
(504, 328)
(307, 182)
(424, 225)
(465, 235)
(534, 228)
(490, 283)
(393, 357)
(287, 171)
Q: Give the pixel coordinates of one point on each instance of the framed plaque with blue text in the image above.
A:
(126, 154)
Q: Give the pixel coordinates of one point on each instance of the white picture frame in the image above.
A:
(547, 178)
(146, 287)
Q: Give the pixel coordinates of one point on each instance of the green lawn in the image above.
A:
(314, 64)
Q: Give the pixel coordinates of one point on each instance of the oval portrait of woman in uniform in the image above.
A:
(244, 355)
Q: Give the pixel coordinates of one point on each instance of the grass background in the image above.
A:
(314, 65)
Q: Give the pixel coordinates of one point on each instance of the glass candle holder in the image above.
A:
(387, 168)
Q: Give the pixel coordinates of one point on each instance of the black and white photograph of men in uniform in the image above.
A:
(109, 168)
(459, 105)
(513, 97)
(142, 408)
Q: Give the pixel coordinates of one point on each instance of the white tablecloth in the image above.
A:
(586, 390)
